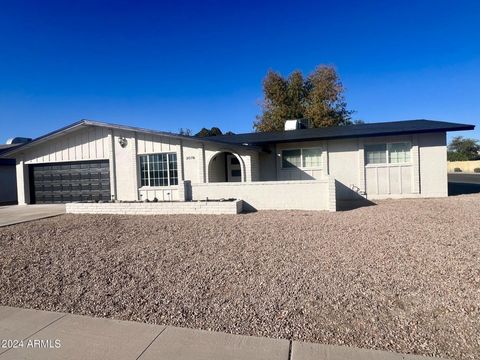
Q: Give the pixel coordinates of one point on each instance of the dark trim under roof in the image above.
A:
(4, 148)
(343, 132)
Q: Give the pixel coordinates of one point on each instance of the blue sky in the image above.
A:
(172, 64)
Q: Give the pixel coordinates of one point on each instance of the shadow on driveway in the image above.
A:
(462, 188)
(462, 184)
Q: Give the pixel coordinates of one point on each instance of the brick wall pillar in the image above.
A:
(332, 196)
(184, 190)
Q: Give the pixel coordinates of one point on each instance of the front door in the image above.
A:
(234, 170)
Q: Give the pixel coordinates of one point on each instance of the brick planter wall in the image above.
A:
(273, 195)
(159, 208)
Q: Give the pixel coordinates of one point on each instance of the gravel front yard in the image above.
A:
(402, 276)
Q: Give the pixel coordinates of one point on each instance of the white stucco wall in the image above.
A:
(425, 175)
(192, 160)
(267, 164)
(344, 166)
(125, 163)
(339, 158)
(297, 173)
(433, 165)
(23, 189)
(273, 195)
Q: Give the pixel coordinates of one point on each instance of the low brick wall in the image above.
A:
(158, 208)
(273, 195)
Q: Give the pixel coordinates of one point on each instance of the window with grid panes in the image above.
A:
(158, 169)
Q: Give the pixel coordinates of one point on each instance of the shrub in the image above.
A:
(457, 170)
(477, 170)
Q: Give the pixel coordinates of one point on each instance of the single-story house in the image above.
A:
(313, 168)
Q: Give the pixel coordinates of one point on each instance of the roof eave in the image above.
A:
(85, 122)
(168, 134)
(461, 127)
(43, 138)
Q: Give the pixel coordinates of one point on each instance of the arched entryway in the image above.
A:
(225, 167)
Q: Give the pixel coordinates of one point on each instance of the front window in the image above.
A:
(392, 153)
(302, 158)
(376, 154)
(399, 153)
(291, 158)
(311, 158)
(158, 169)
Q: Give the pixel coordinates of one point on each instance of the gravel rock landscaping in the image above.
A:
(403, 275)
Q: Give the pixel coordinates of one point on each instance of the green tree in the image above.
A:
(326, 105)
(462, 149)
(275, 103)
(455, 156)
(318, 98)
(214, 131)
(296, 95)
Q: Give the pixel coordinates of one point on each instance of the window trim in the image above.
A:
(387, 154)
(148, 170)
(301, 159)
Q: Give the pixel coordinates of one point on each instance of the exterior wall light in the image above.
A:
(122, 141)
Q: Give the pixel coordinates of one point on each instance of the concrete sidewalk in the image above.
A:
(48, 335)
(16, 214)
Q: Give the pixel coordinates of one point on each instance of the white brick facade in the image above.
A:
(273, 195)
(158, 208)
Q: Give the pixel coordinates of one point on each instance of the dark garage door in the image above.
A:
(69, 181)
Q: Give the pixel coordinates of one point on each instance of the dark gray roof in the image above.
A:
(350, 131)
(256, 140)
(86, 122)
(7, 147)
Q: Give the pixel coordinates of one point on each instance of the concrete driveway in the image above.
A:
(14, 214)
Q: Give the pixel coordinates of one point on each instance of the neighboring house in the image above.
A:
(294, 169)
(8, 185)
